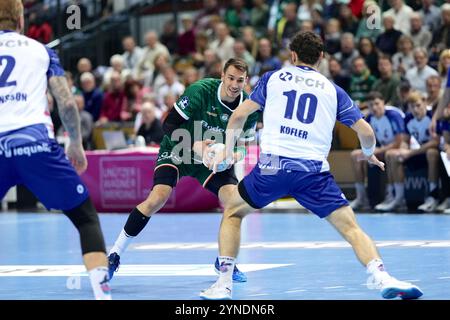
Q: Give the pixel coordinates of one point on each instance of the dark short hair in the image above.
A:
(237, 63)
(374, 95)
(308, 46)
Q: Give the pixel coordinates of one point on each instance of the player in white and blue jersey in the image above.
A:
(29, 154)
(418, 150)
(388, 125)
(300, 109)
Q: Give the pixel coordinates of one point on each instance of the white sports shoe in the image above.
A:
(218, 291)
(360, 204)
(395, 204)
(392, 288)
(429, 205)
(444, 205)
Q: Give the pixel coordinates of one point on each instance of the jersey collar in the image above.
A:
(306, 68)
(5, 31)
(220, 100)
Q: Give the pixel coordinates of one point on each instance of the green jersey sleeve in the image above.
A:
(189, 101)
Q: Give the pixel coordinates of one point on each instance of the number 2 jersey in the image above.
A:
(25, 67)
(300, 108)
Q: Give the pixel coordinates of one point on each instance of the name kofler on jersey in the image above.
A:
(302, 134)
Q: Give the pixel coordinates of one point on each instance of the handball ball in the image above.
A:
(217, 147)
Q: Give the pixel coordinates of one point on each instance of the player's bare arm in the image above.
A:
(70, 118)
(367, 138)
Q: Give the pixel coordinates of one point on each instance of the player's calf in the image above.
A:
(85, 219)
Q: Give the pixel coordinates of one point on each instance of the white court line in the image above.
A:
(294, 291)
(335, 287)
(131, 270)
(291, 245)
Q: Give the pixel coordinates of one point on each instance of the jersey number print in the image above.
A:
(307, 106)
(9, 62)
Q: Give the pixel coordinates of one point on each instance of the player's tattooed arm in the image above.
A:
(67, 107)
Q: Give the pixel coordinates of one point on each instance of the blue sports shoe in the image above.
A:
(395, 288)
(113, 264)
(238, 276)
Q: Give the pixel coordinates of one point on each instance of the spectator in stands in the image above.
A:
(201, 45)
(368, 51)
(250, 40)
(40, 29)
(241, 52)
(420, 73)
(155, 79)
(387, 41)
(93, 96)
(151, 128)
(236, 16)
(443, 66)
(211, 65)
(419, 150)
(332, 37)
(169, 36)
(401, 13)
(190, 75)
(186, 39)
(366, 26)
(265, 61)
(348, 22)
(388, 125)
(117, 64)
(348, 52)
(171, 85)
(433, 95)
(403, 59)
(114, 106)
(203, 21)
(287, 26)
(83, 65)
(146, 66)
(72, 87)
(223, 42)
(403, 91)
(431, 15)
(361, 82)
(259, 15)
(388, 82)
(441, 37)
(135, 93)
(341, 78)
(305, 9)
(169, 101)
(132, 53)
(420, 35)
(86, 123)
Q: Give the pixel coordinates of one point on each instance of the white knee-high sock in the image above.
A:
(122, 242)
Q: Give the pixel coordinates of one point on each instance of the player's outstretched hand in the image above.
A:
(77, 157)
(219, 159)
(372, 160)
(201, 148)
